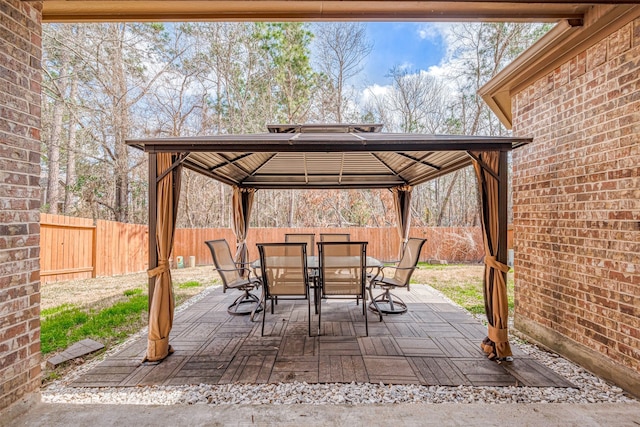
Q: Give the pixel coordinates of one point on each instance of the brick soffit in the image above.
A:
(555, 48)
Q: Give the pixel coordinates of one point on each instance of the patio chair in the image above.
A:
(335, 237)
(386, 302)
(284, 275)
(343, 274)
(235, 276)
(309, 239)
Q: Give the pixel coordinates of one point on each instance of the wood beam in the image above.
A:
(313, 10)
(153, 220)
(503, 178)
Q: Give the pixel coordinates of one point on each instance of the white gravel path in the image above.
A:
(590, 388)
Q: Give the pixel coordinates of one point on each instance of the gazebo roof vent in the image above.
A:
(326, 128)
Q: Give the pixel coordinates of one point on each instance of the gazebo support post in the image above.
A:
(153, 220)
(503, 180)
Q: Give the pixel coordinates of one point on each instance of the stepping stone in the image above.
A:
(78, 349)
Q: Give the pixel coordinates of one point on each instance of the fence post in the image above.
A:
(94, 249)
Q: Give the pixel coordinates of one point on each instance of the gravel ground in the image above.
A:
(590, 389)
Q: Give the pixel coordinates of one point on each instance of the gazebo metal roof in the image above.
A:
(324, 156)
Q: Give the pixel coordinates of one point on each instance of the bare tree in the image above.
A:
(342, 48)
(414, 102)
(56, 83)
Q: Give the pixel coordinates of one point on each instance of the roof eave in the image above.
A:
(310, 10)
(565, 40)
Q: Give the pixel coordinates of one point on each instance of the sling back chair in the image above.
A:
(335, 237)
(343, 274)
(309, 239)
(235, 276)
(284, 275)
(395, 276)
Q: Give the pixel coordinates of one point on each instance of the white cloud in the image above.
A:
(434, 30)
(374, 91)
(428, 31)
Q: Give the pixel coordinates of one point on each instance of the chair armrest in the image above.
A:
(380, 276)
(390, 262)
(243, 263)
(240, 270)
(230, 269)
(399, 268)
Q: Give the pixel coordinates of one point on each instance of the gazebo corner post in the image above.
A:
(503, 218)
(503, 349)
(242, 205)
(162, 221)
(402, 206)
(153, 221)
(492, 174)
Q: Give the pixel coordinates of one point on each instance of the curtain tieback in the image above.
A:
(497, 334)
(163, 265)
(491, 261)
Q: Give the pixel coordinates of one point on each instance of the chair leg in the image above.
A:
(394, 303)
(309, 315)
(374, 303)
(366, 315)
(319, 314)
(242, 300)
(315, 295)
(264, 314)
(365, 312)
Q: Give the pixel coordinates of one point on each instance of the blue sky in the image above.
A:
(416, 46)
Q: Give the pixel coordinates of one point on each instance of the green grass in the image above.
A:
(54, 310)
(469, 294)
(190, 284)
(64, 325)
(427, 266)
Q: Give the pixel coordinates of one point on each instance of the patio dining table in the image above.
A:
(313, 265)
(313, 262)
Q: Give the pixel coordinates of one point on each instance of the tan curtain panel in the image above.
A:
(162, 303)
(402, 203)
(496, 344)
(242, 204)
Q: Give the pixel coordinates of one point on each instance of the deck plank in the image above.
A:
(390, 370)
(438, 371)
(532, 374)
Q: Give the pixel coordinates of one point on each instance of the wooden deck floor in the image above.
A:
(434, 343)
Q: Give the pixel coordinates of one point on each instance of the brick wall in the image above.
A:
(20, 53)
(577, 208)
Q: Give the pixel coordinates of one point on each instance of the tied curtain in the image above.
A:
(402, 203)
(496, 344)
(162, 303)
(242, 203)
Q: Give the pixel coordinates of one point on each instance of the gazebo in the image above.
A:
(325, 156)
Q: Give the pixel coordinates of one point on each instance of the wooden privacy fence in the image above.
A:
(459, 244)
(74, 248)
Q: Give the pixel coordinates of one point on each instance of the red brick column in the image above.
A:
(577, 208)
(20, 55)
